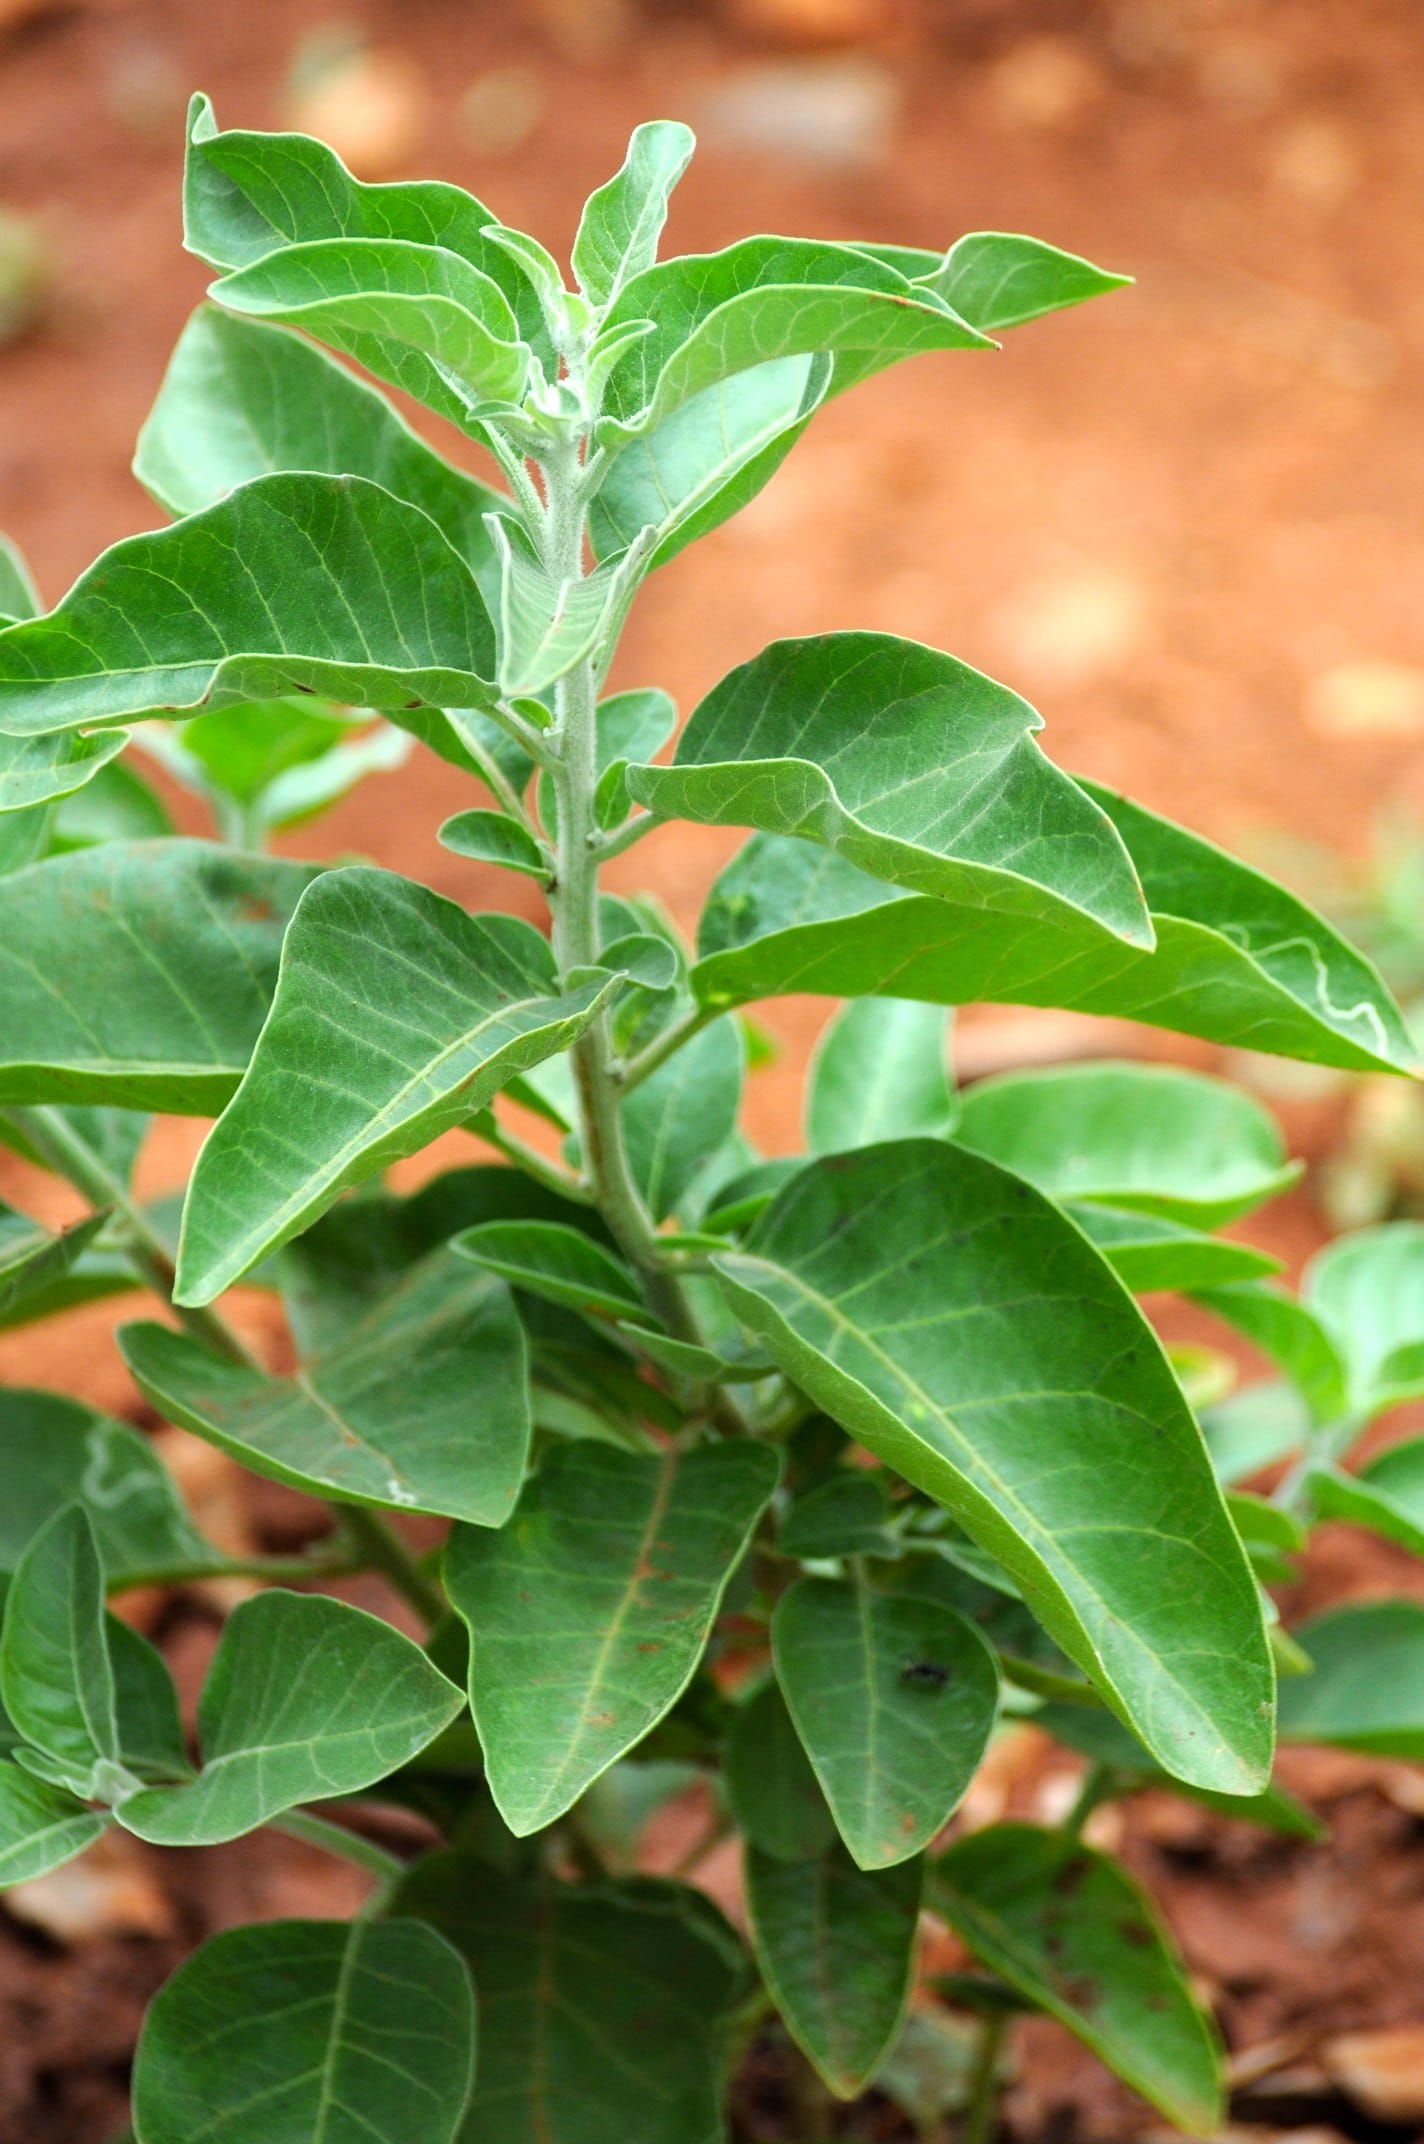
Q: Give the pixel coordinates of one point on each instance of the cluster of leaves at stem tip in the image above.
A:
(797, 1479)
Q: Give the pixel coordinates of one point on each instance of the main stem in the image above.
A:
(573, 898)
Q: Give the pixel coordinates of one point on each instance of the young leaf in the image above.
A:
(600, 2003)
(373, 1071)
(836, 1946)
(1365, 1690)
(879, 1072)
(1367, 1289)
(492, 837)
(245, 195)
(306, 1698)
(309, 2029)
(682, 1113)
(55, 1676)
(38, 770)
(704, 461)
(621, 224)
(770, 1787)
(53, 1452)
(415, 315)
(716, 314)
(422, 1405)
(895, 1699)
(1253, 1428)
(1387, 1494)
(589, 1612)
(241, 399)
(139, 974)
(951, 1319)
(1288, 1331)
(33, 1259)
(1148, 1253)
(560, 1263)
(290, 583)
(903, 762)
(1148, 1137)
(1000, 279)
(1236, 960)
(546, 627)
(41, 1827)
(1070, 1930)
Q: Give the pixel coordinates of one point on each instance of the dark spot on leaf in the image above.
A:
(1072, 1875)
(1134, 1933)
(924, 1674)
(253, 909)
(413, 703)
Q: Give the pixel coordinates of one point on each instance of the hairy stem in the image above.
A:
(336, 1839)
(50, 1135)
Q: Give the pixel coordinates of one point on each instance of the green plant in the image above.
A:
(791, 1476)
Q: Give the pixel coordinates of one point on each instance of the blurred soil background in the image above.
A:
(1184, 521)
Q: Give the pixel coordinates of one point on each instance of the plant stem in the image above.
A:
(529, 1159)
(336, 1839)
(574, 899)
(1099, 1784)
(665, 1045)
(981, 2113)
(54, 1139)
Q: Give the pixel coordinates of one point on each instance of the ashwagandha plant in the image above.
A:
(796, 1476)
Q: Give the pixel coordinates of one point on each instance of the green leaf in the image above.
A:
(622, 222)
(631, 725)
(351, 2033)
(1149, 1254)
(1289, 1332)
(37, 770)
(562, 1264)
(241, 399)
(19, 598)
(1366, 1687)
(139, 974)
(705, 460)
(905, 763)
(492, 837)
(879, 1072)
(601, 2004)
(547, 626)
(716, 314)
(1071, 1931)
(416, 315)
(682, 1113)
(290, 583)
(247, 194)
(54, 1452)
(55, 1676)
(306, 1698)
(33, 1258)
(846, 1515)
(151, 1739)
(895, 1699)
(1236, 961)
(1387, 1494)
(771, 1789)
(41, 1827)
(374, 1072)
(589, 1612)
(1367, 1290)
(1147, 1137)
(1097, 1735)
(836, 1946)
(1000, 279)
(954, 1322)
(389, 1416)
